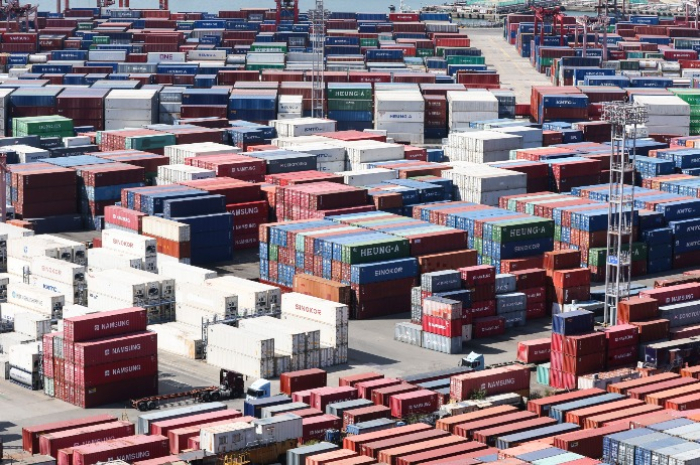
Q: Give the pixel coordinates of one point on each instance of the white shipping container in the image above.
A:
(242, 342)
(73, 310)
(400, 101)
(71, 292)
(290, 104)
(178, 153)
(102, 259)
(253, 297)
(36, 299)
(167, 229)
(286, 142)
(484, 178)
(399, 116)
(279, 429)
(471, 102)
(326, 153)
(107, 55)
(311, 329)
(117, 285)
(371, 151)
(165, 285)
(304, 127)
(213, 299)
(131, 243)
(331, 167)
(315, 309)
(25, 356)
(186, 273)
(194, 316)
(27, 154)
(179, 339)
(264, 58)
(103, 302)
(669, 105)
(368, 176)
(58, 270)
(170, 57)
(32, 324)
(249, 366)
(170, 174)
(130, 99)
(229, 437)
(287, 341)
(206, 55)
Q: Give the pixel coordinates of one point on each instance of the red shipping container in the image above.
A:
(585, 344)
(302, 396)
(528, 279)
(49, 444)
(31, 434)
(621, 336)
(624, 386)
(534, 351)
(652, 330)
(316, 427)
(474, 276)
(542, 406)
(412, 403)
(303, 413)
(446, 454)
(124, 217)
(587, 442)
(105, 324)
(162, 428)
(91, 376)
(494, 381)
(391, 456)
(622, 356)
(131, 449)
(324, 396)
(359, 415)
(642, 392)
(302, 380)
(110, 350)
(442, 326)
(352, 380)
(689, 402)
(584, 364)
(572, 278)
(489, 326)
(674, 294)
(365, 388)
(637, 309)
(178, 437)
(381, 396)
(354, 443)
(483, 309)
(562, 259)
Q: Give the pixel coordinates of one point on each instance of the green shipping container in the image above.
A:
(43, 125)
(369, 42)
(274, 253)
(350, 105)
(375, 251)
(653, 55)
(465, 60)
(270, 48)
(543, 374)
(101, 40)
(349, 93)
(85, 26)
(596, 256)
(425, 52)
(629, 65)
(155, 141)
(262, 66)
(520, 229)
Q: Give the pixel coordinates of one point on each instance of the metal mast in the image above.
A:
(318, 39)
(618, 263)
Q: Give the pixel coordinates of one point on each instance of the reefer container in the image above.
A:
(227, 437)
(302, 380)
(178, 438)
(31, 434)
(278, 429)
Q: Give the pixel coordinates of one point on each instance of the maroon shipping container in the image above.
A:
(316, 427)
(324, 396)
(352, 380)
(641, 392)
(474, 276)
(588, 442)
(541, 406)
(131, 449)
(354, 443)
(683, 403)
(609, 418)
(583, 364)
(488, 436)
(381, 396)
(571, 278)
(116, 391)
(467, 429)
(302, 380)
(488, 326)
(302, 396)
(534, 351)
(372, 449)
(65, 456)
(105, 324)
(116, 349)
(96, 375)
(359, 415)
(494, 381)
(365, 388)
(31, 434)
(49, 444)
(653, 330)
(163, 427)
(674, 294)
(623, 356)
(178, 437)
(530, 279)
(622, 336)
(412, 403)
(585, 344)
(441, 453)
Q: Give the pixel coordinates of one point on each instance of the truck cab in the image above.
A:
(474, 361)
(258, 390)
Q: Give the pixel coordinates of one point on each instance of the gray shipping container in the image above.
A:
(683, 314)
(441, 281)
(143, 426)
(337, 408)
(512, 440)
(505, 283)
(686, 458)
(540, 454)
(513, 302)
(625, 454)
(558, 412)
(643, 453)
(611, 443)
(664, 426)
(680, 431)
(661, 456)
(269, 412)
(298, 456)
(514, 319)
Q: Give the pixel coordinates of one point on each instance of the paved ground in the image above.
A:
(516, 72)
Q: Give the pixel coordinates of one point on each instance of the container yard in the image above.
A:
(262, 235)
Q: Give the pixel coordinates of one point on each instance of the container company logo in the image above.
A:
(122, 242)
(122, 370)
(303, 308)
(49, 269)
(497, 383)
(132, 457)
(123, 349)
(379, 250)
(112, 325)
(388, 271)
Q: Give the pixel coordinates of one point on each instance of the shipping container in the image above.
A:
(32, 434)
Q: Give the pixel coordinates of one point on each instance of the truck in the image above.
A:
(231, 386)
(476, 362)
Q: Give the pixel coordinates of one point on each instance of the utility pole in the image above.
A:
(618, 262)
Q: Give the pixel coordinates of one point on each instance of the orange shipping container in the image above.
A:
(689, 402)
(642, 392)
(624, 386)
(372, 449)
(466, 430)
(354, 443)
(600, 420)
(448, 424)
(579, 416)
(441, 453)
(488, 436)
(390, 456)
(660, 398)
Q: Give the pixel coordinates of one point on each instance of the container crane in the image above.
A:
(543, 16)
(286, 9)
(13, 10)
